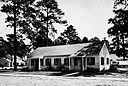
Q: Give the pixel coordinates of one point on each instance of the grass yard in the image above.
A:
(53, 78)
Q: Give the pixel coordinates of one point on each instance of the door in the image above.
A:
(36, 64)
(78, 63)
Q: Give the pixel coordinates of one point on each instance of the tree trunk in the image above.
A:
(15, 49)
(123, 46)
(47, 29)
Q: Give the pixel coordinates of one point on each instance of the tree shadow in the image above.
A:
(5, 70)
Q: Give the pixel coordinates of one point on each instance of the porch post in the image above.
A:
(69, 64)
(39, 64)
(82, 63)
(29, 63)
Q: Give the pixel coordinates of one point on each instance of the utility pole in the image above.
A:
(47, 12)
(15, 46)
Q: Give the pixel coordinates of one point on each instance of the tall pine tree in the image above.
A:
(119, 30)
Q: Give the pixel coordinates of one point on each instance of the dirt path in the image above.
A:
(15, 79)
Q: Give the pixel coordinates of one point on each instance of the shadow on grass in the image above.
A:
(91, 73)
(77, 73)
(61, 73)
(5, 70)
(86, 73)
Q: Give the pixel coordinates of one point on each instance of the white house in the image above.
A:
(72, 57)
(19, 61)
(119, 60)
(83, 60)
(8, 61)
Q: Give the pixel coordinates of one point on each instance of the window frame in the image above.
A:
(66, 61)
(76, 61)
(91, 61)
(57, 61)
(107, 60)
(41, 62)
(32, 62)
(48, 62)
(102, 60)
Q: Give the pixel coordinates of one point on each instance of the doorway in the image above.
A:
(36, 64)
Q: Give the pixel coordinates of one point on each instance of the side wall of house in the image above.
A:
(106, 64)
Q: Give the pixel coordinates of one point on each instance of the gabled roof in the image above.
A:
(92, 49)
(57, 50)
(104, 51)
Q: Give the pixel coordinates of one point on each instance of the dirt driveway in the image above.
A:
(30, 79)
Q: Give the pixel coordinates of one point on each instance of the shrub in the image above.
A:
(25, 69)
(113, 68)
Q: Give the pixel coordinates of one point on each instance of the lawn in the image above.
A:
(56, 78)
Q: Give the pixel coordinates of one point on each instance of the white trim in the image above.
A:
(39, 65)
(69, 63)
(30, 63)
(82, 63)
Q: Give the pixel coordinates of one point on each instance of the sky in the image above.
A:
(89, 17)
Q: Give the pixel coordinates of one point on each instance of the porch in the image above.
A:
(76, 63)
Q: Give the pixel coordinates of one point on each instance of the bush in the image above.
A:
(49, 68)
(1, 65)
(25, 69)
(89, 69)
(60, 68)
(113, 68)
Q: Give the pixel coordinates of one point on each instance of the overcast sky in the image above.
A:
(89, 17)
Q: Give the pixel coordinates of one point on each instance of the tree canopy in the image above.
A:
(3, 47)
(34, 18)
(119, 30)
(68, 36)
(22, 48)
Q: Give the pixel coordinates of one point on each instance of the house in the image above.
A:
(19, 61)
(8, 61)
(72, 57)
(119, 60)
(114, 57)
(5, 62)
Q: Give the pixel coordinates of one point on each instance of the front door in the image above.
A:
(78, 63)
(36, 64)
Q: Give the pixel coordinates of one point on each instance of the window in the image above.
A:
(41, 62)
(76, 61)
(66, 61)
(107, 61)
(32, 62)
(57, 61)
(91, 61)
(48, 62)
(102, 60)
